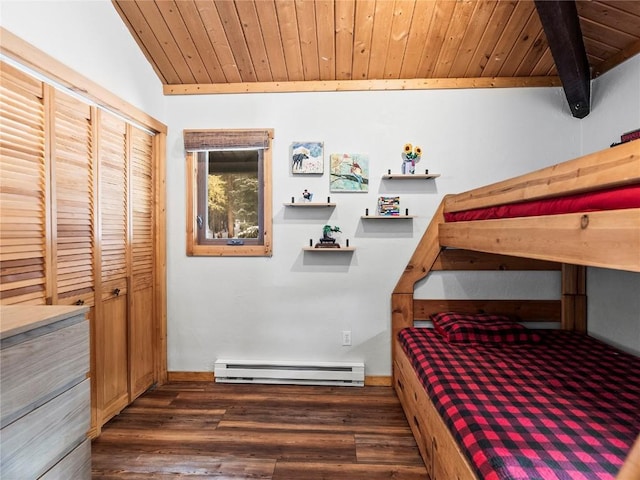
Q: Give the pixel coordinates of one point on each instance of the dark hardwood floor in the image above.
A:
(218, 431)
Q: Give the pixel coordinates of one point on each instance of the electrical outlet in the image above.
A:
(346, 338)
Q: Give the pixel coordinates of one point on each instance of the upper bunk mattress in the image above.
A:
(565, 408)
(624, 197)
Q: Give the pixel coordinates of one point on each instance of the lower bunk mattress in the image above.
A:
(567, 407)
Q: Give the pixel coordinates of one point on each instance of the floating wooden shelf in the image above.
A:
(332, 250)
(403, 176)
(388, 217)
(309, 204)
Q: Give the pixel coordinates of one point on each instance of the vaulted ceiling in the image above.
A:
(209, 46)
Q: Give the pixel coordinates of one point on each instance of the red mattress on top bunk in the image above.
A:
(610, 199)
(567, 407)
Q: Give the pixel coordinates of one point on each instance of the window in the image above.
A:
(229, 192)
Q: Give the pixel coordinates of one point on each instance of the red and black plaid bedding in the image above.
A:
(627, 196)
(481, 328)
(566, 408)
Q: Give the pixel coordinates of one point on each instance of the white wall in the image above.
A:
(295, 305)
(614, 297)
(89, 37)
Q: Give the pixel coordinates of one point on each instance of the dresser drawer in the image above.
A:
(33, 444)
(412, 395)
(76, 465)
(39, 365)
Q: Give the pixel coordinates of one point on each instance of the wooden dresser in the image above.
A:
(44, 393)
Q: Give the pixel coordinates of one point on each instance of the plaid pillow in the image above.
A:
(481, 328)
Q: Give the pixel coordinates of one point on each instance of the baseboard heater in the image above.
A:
(297, 373)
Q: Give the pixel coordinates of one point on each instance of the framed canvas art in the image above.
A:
(349, 172)
(307, 157)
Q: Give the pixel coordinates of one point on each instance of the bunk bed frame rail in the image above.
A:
(567, 242)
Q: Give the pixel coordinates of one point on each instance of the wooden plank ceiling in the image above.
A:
(210, 46)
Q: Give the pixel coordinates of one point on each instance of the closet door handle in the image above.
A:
(80, 302)
(116, 292)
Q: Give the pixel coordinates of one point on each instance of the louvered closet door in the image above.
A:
(22, 189)
(113, 204)
(141, 342)
(73, 216)
(111, 321)
(73, 176)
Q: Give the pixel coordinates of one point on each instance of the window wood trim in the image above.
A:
(247, 250)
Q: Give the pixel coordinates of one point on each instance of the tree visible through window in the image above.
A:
(233, 202)
(230, 186)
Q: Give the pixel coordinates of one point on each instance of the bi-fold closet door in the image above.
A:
(77, 227)
(126, 250)
(23, 190)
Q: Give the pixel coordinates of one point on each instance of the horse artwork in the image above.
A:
(307, 158)
(297, 160)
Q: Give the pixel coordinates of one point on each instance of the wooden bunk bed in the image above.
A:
(566, 241)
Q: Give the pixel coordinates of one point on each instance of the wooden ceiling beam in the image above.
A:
(362, 85)
(562, 27)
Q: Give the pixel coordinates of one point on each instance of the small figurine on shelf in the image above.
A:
(327, 240)
(410, 156)
(307, 195)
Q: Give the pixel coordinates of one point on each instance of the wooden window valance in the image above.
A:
(199, 140)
